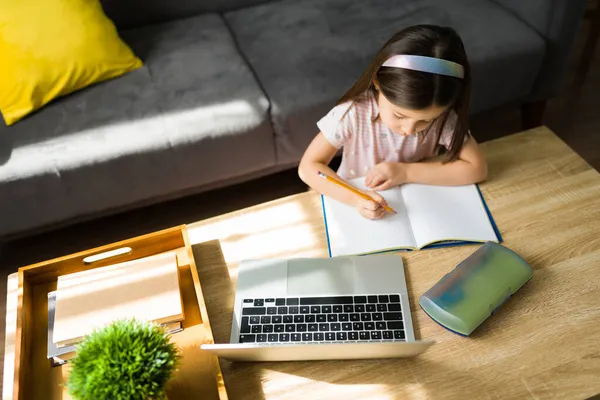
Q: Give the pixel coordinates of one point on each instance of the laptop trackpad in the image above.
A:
(320, 277)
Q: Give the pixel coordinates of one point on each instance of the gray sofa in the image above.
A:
(231, 90)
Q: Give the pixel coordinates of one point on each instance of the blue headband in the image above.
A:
(426, 64)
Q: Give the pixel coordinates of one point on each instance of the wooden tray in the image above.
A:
(199, 374)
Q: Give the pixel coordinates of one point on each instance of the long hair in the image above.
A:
(418, 90)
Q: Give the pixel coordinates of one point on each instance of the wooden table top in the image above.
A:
(543, 343)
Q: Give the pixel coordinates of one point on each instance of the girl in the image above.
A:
(412, 99)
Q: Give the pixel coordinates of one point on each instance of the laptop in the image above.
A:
(321, 309)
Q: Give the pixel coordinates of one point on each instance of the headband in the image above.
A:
(426, 64)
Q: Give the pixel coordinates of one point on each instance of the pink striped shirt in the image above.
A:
(367, 141)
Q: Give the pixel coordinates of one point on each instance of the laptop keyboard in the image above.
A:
(322, 319)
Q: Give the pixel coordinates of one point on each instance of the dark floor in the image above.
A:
(574, 115)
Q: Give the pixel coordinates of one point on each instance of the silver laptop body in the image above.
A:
(321, 309)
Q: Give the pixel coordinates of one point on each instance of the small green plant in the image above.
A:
(126, 360)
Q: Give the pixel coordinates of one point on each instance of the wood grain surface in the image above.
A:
(543, 343)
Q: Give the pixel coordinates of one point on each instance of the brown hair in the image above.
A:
(417, 90)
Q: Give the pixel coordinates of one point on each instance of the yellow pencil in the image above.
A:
(353, 190)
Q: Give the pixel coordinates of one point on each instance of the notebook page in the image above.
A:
(351, 234)
(439, 213)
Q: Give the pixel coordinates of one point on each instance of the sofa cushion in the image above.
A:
(192, 116)
(136, 13)
(307, 53)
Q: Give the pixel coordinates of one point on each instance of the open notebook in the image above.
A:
(428, 216)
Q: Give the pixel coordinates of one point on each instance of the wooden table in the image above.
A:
(544, 343)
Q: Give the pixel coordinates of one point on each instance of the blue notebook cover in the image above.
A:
(431, 246)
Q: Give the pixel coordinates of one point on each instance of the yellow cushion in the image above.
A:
(49, 48)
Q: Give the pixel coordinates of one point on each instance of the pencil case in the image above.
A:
(471, 292)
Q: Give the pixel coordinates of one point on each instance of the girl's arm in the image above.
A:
(470, 167)
(316, 158)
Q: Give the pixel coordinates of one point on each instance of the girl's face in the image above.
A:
(404, 121)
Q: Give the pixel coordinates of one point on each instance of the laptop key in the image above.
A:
(332, 318)
(394, 298)
(352, 335)
(395, 325)
(321, 318)
(313, 327)
(371, 307)
(354, 317)
(393, 307)
(288, 319)
(377, 316)
(337, 309)
(336, 326)
(245, 328)
(319, 336)
(254, 310)
(248, 301)
(279, 328)
(323, 327)
(315, 309)
(365, 317)
(276, 319)
(290, 328)
(310, 318)
(365, 336)
(294, 310)
(359, 308)
(330, 336)
(388, 335)
(398, 334)
(348, 308)
(381, 307)
(284, 337)
(372, 299)
(326, 309)
(271, 310)
(280, 302)
(301, 328)
(376, 335)
(265, 319)
(247, 338)
(298, 319)
(304, 310)
(268, 328)
(313, 301)
(292, 302)
(343, 317)
(256, 329)
(369, 326)
(262, 338)
(383, 298)
(381, 326)
(392, 316)
(273, 337)
(296, 337)
(341, 336)
(360, 299)
(282, 310)
(259, 302)
(307, 337)
(358, 326)
(270, 300)
(347, 326)
(254, 320)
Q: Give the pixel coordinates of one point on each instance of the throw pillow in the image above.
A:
(49, 48)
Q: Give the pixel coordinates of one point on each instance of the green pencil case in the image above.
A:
(471, 292)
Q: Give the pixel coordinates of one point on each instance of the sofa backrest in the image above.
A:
(135, 13)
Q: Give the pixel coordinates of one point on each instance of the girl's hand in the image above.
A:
(386, 175)
(371, 209)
